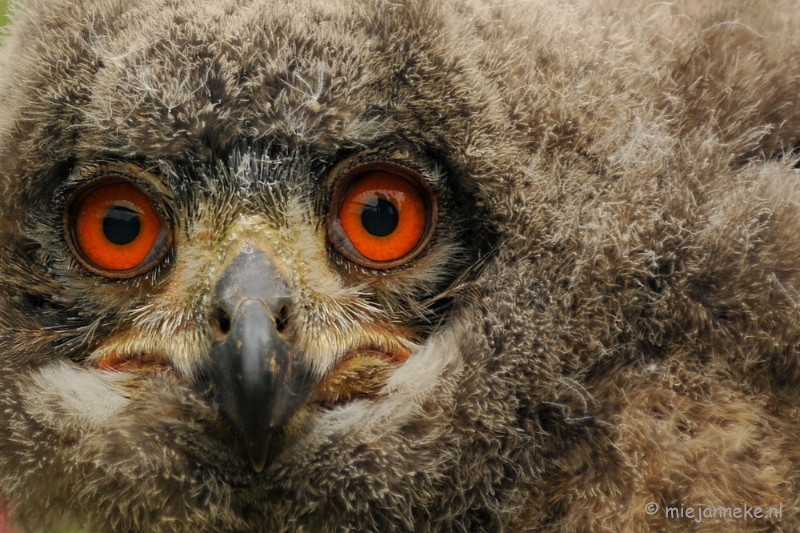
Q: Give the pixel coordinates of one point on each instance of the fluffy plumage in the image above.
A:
(607, 314)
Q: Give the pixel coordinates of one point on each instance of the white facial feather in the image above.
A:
(66, 394)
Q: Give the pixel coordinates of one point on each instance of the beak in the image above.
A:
(259, 376)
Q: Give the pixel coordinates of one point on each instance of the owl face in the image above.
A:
(279, 281)
(246, 247)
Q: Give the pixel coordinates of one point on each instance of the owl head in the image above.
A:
(239, 240)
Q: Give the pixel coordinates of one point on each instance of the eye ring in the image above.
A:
(139, 237)
(408, 183)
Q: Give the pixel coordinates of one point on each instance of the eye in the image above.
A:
(113, 230)
(382, 215)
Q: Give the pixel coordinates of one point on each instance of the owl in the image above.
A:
(423, 266)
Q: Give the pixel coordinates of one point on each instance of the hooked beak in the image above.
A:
(259, 376)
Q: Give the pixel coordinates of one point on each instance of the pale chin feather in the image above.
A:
(63, 393)
(423, 375)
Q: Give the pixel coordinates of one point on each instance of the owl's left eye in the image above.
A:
(382, 215)
(113, 229)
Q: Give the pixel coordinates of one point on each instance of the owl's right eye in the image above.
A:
(113, 229)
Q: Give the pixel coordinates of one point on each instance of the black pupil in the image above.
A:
(379, 217)
(121, 225)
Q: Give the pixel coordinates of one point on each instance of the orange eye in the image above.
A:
(114, 230)
(385, 216)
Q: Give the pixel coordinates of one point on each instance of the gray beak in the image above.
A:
(259, 376)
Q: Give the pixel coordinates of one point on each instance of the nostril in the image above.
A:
(282, 319)
(222, 321)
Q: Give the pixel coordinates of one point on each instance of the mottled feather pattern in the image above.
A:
(606, 315)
